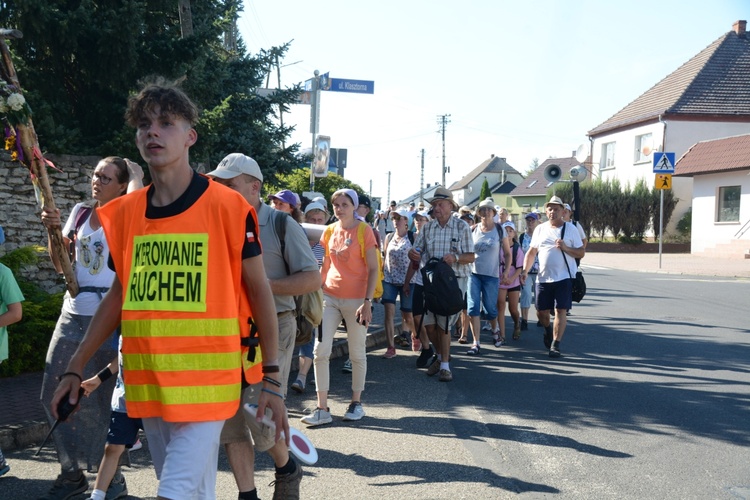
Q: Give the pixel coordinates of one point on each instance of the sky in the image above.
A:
(522, 80)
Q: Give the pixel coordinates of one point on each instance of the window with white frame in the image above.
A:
(643, 148)
(728, 209)
(608, 156)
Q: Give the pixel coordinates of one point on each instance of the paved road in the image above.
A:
(652, 400)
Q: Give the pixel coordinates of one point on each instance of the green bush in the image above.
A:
(28, 339)
(684, 227)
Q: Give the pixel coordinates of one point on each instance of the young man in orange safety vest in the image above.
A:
(182, 258)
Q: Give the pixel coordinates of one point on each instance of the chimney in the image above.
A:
(739, 28)
(492, 155)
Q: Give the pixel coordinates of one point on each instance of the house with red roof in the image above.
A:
(720, 171)
(706, 98)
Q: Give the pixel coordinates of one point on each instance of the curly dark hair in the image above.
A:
(164, 95)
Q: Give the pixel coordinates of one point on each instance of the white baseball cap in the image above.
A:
(235, 164)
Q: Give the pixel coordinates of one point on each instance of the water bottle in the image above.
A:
(415, 263)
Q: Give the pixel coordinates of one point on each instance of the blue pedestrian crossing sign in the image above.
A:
(663, 163)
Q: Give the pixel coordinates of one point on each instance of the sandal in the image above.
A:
(473, 351)
(463, 340)
(499, 341)
(517, 331)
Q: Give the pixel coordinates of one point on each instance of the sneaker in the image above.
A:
(64, 489)
(4, 468)
(117, 488)
(354, 412)
(548, 336)
(499, 341)
(298, 386)
(446, 376)
(286, 486)
(539, 324)
(434, 368)
(137, 446)
(524, 325)
(487, 327)
(416, 344)
(474, 351)
(347, 366)
(317, 417)
(424, 357)
(390, 353)
(554, 352)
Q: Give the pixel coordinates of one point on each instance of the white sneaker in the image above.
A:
(318, 417)
(354, 412)
(137, 446)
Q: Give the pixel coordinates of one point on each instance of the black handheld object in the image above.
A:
(64, 409)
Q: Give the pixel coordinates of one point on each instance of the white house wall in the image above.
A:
(680, 136)
(706, 232)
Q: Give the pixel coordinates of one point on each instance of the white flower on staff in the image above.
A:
(16, 102)
(3, 106)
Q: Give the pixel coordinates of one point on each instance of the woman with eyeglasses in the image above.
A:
(81, 446)
(349, 275)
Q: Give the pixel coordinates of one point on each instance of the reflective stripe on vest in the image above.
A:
(181, 285)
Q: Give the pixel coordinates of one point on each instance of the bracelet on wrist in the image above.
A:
(269, 391)
(104, 374)
(270, 368)
(272, 381)
(80, 379)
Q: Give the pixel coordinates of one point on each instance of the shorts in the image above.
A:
(391, 291)
(433, 319)
(483, 292)
(555, 295)
(123, 429)
(417, 300)
(306, 350)
(243, 427)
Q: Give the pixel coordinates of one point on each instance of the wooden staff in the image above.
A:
(37, 164)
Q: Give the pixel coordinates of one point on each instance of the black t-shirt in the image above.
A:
(198, 186)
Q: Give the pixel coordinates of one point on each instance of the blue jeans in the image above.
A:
(391, 291)
(483, 289)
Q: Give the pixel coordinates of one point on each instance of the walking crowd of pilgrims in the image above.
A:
(179, 367)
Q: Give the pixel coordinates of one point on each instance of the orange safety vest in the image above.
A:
(182, 287)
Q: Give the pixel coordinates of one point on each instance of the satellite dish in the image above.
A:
(648, 147)
(582, 153)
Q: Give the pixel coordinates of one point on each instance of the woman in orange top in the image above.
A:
(349, 275)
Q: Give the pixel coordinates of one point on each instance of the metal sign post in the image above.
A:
(664, 168)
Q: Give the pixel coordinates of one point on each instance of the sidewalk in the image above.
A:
(22, 418)
(671, 263)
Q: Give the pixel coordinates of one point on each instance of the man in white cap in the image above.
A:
(447, 238)
(558, 244)
(243, 174)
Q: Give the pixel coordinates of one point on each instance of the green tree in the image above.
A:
(80, 59)
(533, 166)
(299, 182)
(485, 193)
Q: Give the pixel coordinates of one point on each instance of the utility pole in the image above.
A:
(421, 180)
(389, 189)
(443, 120)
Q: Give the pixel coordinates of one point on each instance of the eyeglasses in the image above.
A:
(101, 178)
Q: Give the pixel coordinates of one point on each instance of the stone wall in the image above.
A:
(20, 217)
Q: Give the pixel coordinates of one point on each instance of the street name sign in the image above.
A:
(356, 86)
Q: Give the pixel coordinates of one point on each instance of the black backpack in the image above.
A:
(442, 295)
